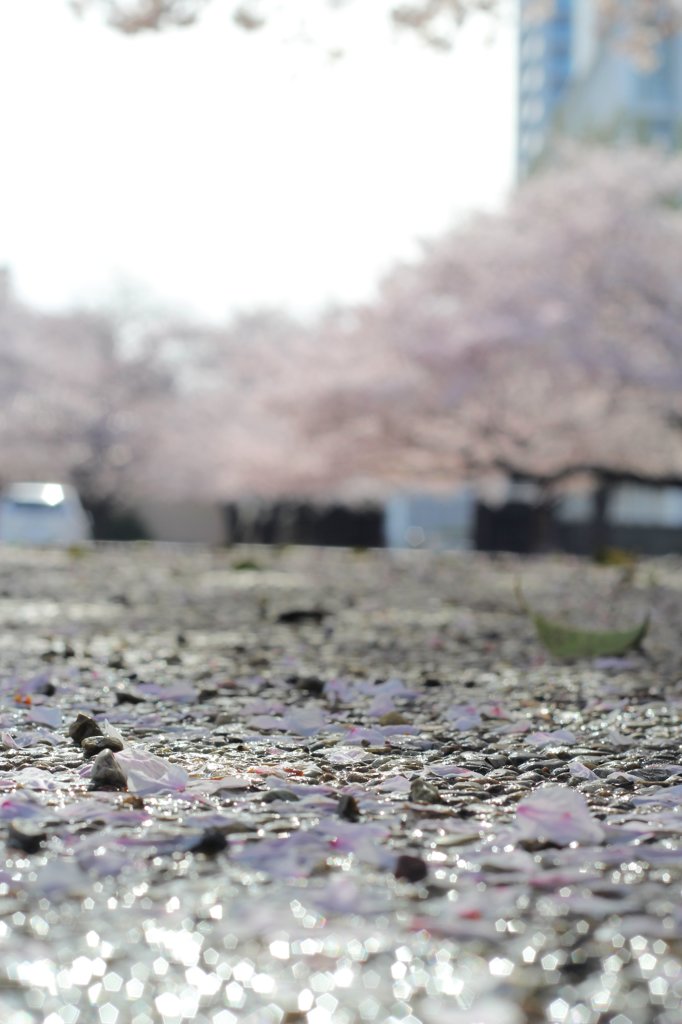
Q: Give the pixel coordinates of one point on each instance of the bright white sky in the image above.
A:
(219, 170)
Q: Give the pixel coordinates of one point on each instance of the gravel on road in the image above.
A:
(307, 786)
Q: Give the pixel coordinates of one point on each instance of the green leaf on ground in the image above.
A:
(571, 642)
(246, 565)
(568, 642)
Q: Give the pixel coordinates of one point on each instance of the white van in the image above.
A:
(43, 514)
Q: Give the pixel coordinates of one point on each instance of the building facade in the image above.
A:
(546, 68)
(619, 99)
(580, 81)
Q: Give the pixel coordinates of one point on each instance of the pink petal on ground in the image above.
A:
(43, 715)
(213, 785)
(519, 725)
(267, 722)
(543, 739)
(495, 711)
(394, 784)
(28, 739)
(19, 807)
(305, 722)
(617, 739)
(35, 778)
(177, 693)
(381, 705)
(147, 773)
(110, 730)
(467, 722)
(559, 815)
(60, 878)
(581, 771)
(365, 841)
(33, 685)
(346, 755)
(447, 771)
(669, 795)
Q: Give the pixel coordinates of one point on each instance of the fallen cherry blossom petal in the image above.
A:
(147, 773)
(558, 815)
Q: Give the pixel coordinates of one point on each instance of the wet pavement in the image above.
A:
(321, 786)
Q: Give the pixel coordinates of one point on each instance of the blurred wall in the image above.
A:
(183, 521)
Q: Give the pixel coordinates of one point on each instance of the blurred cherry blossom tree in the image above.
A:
(565, 313)
(75, 406)
(144, 15)
(540, 344)
(544, 344)
(435, 20)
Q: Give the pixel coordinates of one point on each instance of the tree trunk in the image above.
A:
(599, 527)
(543, 522)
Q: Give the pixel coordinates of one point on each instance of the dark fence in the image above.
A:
(291, 523)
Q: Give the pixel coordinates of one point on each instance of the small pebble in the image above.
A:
(393, 718)
(212, 841)
(410, 868)
(129, 697)
(107, 773)
(24, 836)
(83, 727)
(92, 745)
(347, 808)
(422, 792)
(273, 795)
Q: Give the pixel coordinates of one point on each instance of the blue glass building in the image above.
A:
(546, 47)
(574, 79)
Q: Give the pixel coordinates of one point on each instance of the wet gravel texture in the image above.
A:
(331, 786)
